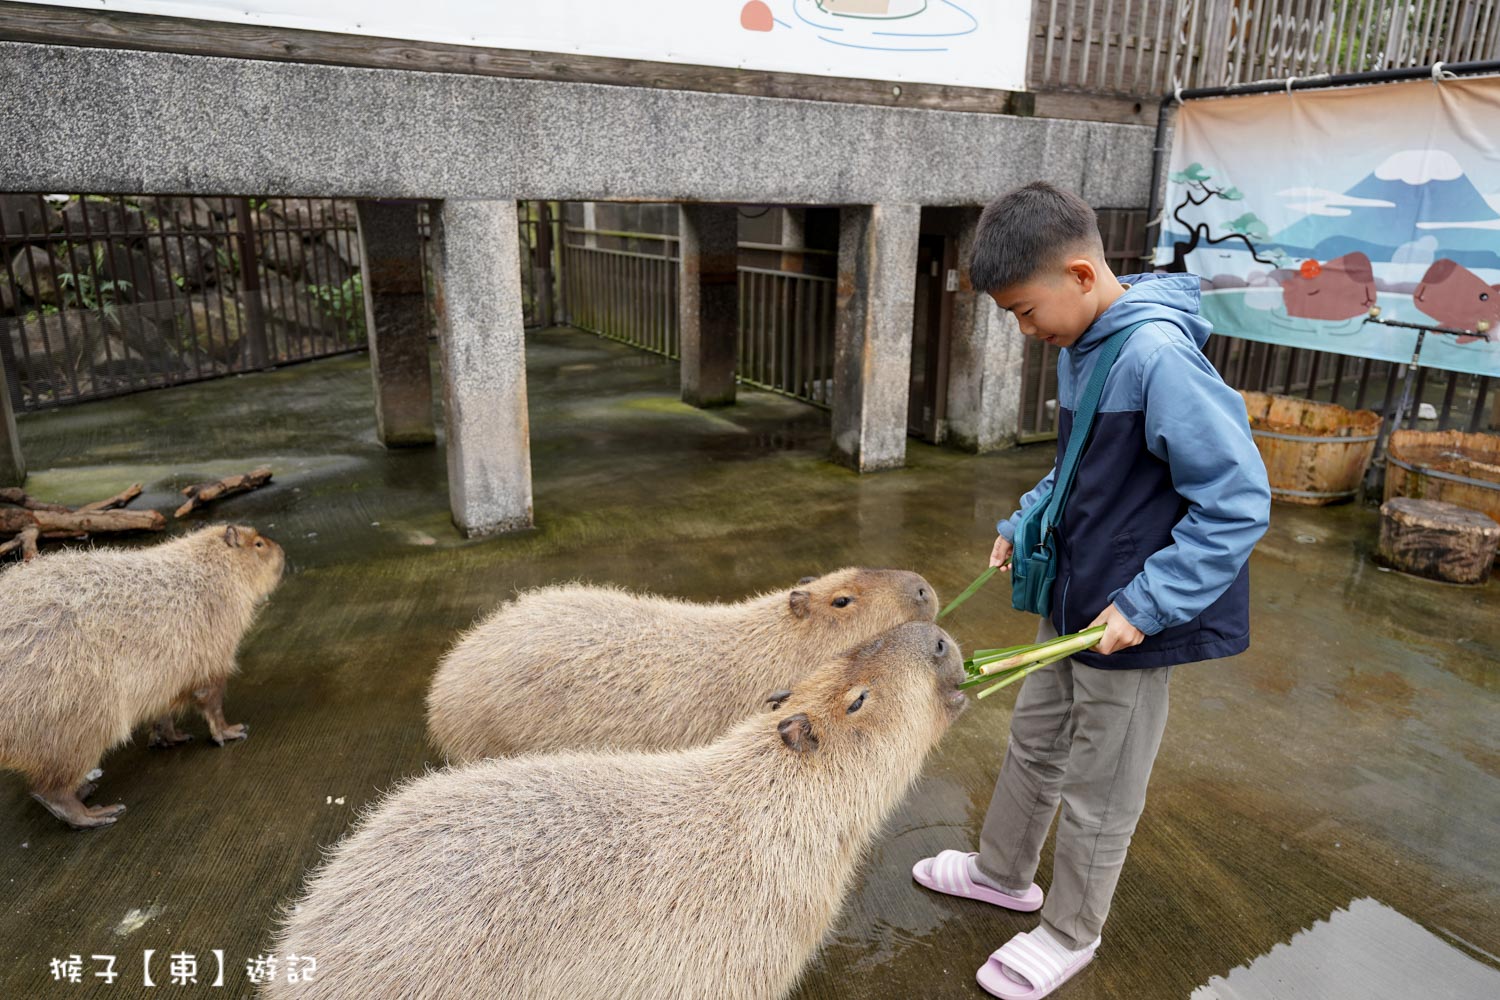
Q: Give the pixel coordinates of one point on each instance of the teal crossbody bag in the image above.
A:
(1034, 564)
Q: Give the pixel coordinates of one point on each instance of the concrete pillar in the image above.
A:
(590, 218)
(793, 234)
(984, 362)
(396, 321)
(478, 270)
(12, 466)
(708, 299)
(872, 334)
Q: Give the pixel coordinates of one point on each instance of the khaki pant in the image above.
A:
(1087, 737)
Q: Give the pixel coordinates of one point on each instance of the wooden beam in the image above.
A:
(110, 29)
(1096, 107)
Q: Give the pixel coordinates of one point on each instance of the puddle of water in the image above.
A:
(1369, 952)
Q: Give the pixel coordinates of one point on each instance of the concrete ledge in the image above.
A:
(111, 120)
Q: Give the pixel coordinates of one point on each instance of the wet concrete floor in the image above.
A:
(1351, 757)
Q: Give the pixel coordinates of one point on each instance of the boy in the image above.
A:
(1169, 498)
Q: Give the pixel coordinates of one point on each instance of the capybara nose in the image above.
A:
(921, 593)
(942, 648)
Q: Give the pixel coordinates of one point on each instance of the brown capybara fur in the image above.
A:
(708, 872)
(95, 642)
(586, 668)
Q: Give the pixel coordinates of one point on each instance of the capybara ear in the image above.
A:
(805, 581)
(796, 732)
(800, 601)
(778, 697)
(232, 537)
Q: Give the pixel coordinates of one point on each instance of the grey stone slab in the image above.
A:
(708, 300)
(985, 362)
(872, 334)
(478, 273)
(396, 321)
(146, 122)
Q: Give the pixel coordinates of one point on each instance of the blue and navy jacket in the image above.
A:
(1170, 494)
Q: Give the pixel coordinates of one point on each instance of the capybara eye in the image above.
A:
(842, 602)
(942, 649)
(857, 703)
(1484, 296)
(259, 544)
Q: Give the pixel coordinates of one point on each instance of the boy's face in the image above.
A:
(1057, 305)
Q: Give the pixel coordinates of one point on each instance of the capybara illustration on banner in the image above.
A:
(1459, 299)
(1340, 289)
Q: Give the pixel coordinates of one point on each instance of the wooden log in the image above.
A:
(1437, 540)
(25, 541)
(66, 523)
(120, 499)
(14, 495)
(201, 493)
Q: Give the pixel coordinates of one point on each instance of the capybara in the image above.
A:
(707, 872)
(1459, 299)
(579, 668)
(1340, 289)
(95, 642)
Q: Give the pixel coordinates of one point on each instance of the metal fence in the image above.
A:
(1148, 47)
(786, 333)
(1458, 400)
(107, 295)
(625, 295)
(785, 317)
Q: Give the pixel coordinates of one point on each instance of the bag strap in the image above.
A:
(1083, 422)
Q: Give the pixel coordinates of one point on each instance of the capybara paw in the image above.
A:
(164, 742)
(238, 731)
(85, 790)
(107, 812)
(93, 822)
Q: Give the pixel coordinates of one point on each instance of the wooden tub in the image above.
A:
(1451, 466)
(1315, 453)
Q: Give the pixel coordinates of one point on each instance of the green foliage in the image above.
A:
(344, 302)
(86, 290)
(1192, 174)
(1250, 225)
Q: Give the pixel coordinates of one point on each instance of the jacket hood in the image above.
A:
(1170, 297)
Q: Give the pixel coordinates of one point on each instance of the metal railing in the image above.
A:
(1148, 47)
(101, 296)
(785, 318)
(624, 295)
(786, 333)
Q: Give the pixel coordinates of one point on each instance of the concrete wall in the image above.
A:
(146, 122)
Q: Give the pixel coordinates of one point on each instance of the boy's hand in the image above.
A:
(1000, 554)
(1118, 632)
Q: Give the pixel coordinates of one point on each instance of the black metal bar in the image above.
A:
(1338, 377)
(1447, 412)
(1481, 396)
(255, 317)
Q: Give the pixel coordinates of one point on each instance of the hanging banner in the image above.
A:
(1302, 211)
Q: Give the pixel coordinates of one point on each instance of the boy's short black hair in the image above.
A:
(1030, 228)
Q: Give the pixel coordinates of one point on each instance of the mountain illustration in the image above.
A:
(1383, 210)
